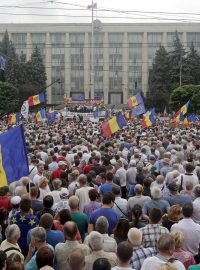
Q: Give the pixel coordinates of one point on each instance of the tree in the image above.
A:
(176, 62)
(182, 94)
(8, 98)
(158, 92)
(191, 72)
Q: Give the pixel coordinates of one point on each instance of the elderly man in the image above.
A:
(120, 204)
(139, 253)
(121, 176)
(156, 202)
(10, 246)
(188, 175)
(57, 183)
(124, 254)
(175, 197)
(38, 241)
(77, 260)
(138, 198)
(39, 174)
(96, 245)
(131, 174)
(101, 226)
(63, 250)
(166, 247)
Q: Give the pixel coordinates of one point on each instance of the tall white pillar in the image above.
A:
(145, 63)
(28, 46)
(125, 68)
(67, 73)
(87, 51)
(48, 68)
(105, 67)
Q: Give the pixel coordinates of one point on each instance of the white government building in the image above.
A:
(123, 54)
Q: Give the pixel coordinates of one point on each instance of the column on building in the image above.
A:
(67, 76)
(28, 46)
(125, 68)
(184, 40)
(105, 67)
(48, 68)
(144, 64)
(86, 65)
(164, 39)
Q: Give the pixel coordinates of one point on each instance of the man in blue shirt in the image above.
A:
(106, 211)
(107, 187)
(53, 237)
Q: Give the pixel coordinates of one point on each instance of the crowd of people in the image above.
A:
(131, 201)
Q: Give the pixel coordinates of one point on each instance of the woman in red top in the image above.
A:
(60, 219)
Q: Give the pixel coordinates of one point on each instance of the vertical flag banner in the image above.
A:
(113, 125)
(135, 101)
(25, 109)
(41, 115)
(14, 119)
(37, 99)
(13, 156)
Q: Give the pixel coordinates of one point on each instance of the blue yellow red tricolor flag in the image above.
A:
(134, 100)
(41, 115)
(113, 125)
(13, 118)
(37, 99)
(13, 156)
(149, 119)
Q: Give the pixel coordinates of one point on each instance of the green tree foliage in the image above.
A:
(182, 94)
(8, 98)
(158, 92)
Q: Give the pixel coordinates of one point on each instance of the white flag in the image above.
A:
(25, 109)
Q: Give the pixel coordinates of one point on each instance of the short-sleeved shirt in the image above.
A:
(163, 205)
(107, 187)
(81, 221)
(111, 215)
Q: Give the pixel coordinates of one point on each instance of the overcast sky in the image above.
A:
(68, 11)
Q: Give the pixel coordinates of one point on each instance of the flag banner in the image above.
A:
(106, 130)
(37, 99)
(2, 62)
(113, 125)
(135, 101)
(41, 115)
(192, 118)
(13, 156)
(25, 109)
(51, 117)
(138, 110)
(149, 119)
(14, 119)
(183, 109)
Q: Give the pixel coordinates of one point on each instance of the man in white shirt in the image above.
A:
(188, 175)
(53, 165)
(82, 192)
(120, 204)
(124, 254)
(166, 247)
(40, 170)
(190, 229)
(121, 176)
(196, 205)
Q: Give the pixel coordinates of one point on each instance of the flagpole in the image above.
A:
(92, 54)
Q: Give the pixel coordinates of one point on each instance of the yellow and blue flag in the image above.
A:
(13, 156)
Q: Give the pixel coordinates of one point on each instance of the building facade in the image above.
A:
(122, 55)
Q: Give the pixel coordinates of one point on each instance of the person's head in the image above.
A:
(124, 252)
(46, 221)
(138, 189)
(116, 191)
(173, 188)
(167, 266)
(12, 233)
(108, 198)
(101, 264)
(64, 216)
(93, 194)
(48, 201)
(25, 205)
(175, 213)
(76, 260)
(155, 215)
(101, 225)
(197, 191)
(74, 202)
(14, 262)
(34, 192)
(166, 245)
(136, 211)
(187, 210)
(189, 167)
(3, 258)
(122, 228)
(15, 201)
(57, 183)
(40, 167)
(70, 230)
(43, 182)
(44, 257)
(38, 236)
(156, 193)
(147, 182)
(95, 241)
(109, 177)
(82, 179)
(179, 238)
(160, 179)
(135, 236)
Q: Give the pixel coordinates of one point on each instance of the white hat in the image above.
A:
(15, 200)
(61, 162)
(64, 192)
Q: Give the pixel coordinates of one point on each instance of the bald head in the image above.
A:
(138, 189)
(70, 230)
(76, 260)
(135, 236)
